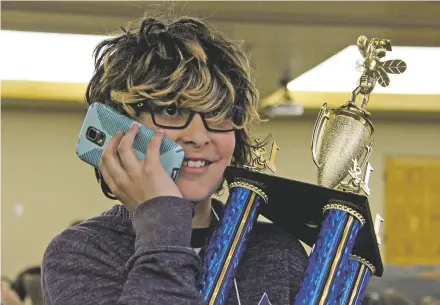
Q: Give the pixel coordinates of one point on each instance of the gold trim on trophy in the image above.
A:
(250, 187)
(333, 206)
(364, 262)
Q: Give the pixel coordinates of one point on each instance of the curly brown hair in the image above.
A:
(186, 62)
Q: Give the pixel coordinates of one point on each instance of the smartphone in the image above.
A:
(102, 122)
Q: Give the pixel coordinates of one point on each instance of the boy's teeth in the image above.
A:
(191, 163)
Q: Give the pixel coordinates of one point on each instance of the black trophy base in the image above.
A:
(297, 207)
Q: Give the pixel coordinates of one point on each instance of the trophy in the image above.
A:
(331, 217)
(228, 242)
(341, 148)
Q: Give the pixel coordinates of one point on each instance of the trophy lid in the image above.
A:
(297, 207)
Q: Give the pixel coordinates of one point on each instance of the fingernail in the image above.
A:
(159, 131)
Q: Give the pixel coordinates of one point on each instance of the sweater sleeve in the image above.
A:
(79, 269)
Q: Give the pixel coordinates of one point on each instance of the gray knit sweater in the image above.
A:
(146, 258)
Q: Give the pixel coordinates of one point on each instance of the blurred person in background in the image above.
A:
(388, 297)
(392, 297)
(371, 298)
(429, 300)
(16, 292)
(148, 250)
(9, 296)
(19, 285)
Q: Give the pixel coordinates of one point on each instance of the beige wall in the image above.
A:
(42, 174)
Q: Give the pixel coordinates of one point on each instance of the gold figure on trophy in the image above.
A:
(260, 163)
(374, 70)
(356, 183)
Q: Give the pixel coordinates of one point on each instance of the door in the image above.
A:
(412, 211)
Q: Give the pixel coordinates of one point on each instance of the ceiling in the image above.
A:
(283, 37)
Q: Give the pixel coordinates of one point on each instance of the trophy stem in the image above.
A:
(348, 274)
(357, 275)
(228, 243)
(331, 251)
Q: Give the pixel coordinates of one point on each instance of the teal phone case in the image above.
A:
(103, 122)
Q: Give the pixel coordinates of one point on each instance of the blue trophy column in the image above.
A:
(228, 242)
(322, 278)
(357, 276)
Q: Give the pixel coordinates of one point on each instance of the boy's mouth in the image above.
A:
(193, 163)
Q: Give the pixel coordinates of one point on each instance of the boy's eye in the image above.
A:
(212, 114)
(170, 110)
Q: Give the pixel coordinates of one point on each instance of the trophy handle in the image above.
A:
(369, 149)
(322, 116)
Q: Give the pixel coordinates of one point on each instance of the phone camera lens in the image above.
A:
(92, 134)
(95, 136)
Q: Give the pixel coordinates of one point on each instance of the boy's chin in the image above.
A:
(196, 197)
(196, 191)
(196, 194)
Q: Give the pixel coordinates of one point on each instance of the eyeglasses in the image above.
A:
(173, 117)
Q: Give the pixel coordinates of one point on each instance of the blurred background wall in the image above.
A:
(45, 186)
